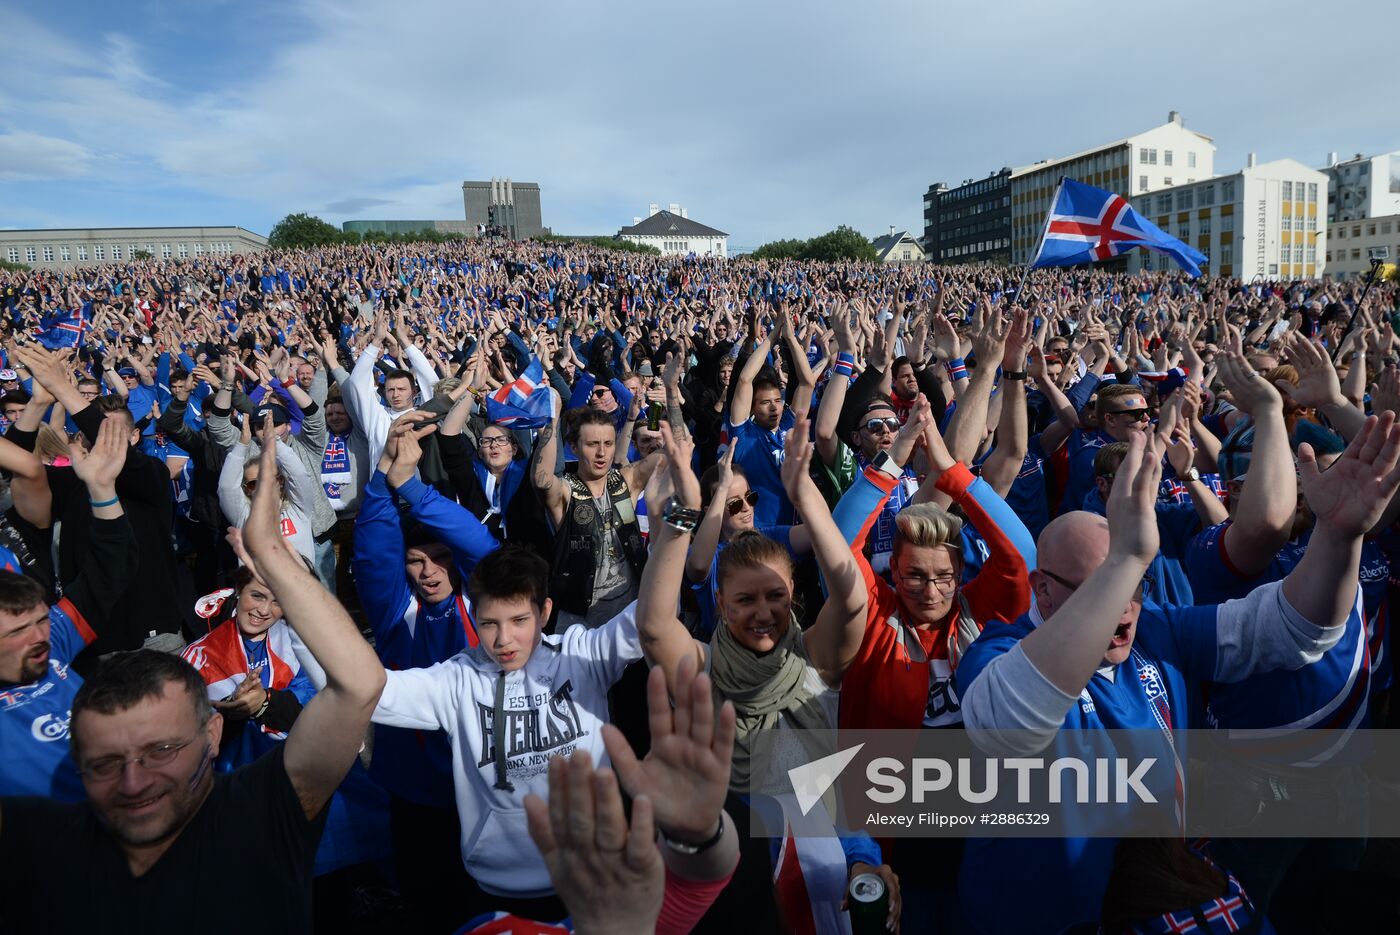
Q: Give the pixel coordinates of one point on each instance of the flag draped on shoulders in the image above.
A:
(1088, 225)
(221, 660)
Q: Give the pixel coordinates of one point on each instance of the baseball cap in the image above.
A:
(279, 414)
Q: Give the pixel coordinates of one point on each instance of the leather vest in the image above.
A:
(580, 541)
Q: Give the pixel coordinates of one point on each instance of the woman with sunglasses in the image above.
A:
(728, 503)
(239, 478)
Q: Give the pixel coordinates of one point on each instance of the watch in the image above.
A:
(884, 463)
(1192, 474)
(691, 850)
(680, 518)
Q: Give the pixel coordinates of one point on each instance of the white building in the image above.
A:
(1161, 157)
(1263, 221)
(1363, 187)
(1352, 245)
(675, 234)
(58, 248)
(898, 247)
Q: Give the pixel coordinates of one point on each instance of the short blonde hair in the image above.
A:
(928, 526)
(445, 386)
(51, 444)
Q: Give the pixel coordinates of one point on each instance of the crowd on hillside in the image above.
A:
(447, 587)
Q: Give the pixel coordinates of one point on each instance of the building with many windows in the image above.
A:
(1352, 245)
(1162, 157)
(970, 223)
(1363, 187)
(60, 248)
(898, 247)
(675, 234)
(1262, 222)
(407, 227)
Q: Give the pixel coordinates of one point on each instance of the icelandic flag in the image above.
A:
(523, 404)
(1088, 224)
(61, 330)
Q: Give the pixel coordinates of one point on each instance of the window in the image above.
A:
(1287, 191)
(1227, 191)
(1385, 227)
(1205, 227)
(1312, 222)
(1166, 157)
(131, 251)
(1227, 222)
(1273, 269)
(182, 251)
(1184, 199)
(48, 254)
(1329, 255)
(1342, 233)
(13, 254)
(151, 249)
(198, 249)
(98, 252)
(165, 251)
(1287, 223)
(1206, 195)
(1312, 253)
(1142, 183)
(1365, 168)
(1164, 203)
(1297, 253)
(1190, 160)
(1356, 253)
(1356, 231)
(29, 255)
(65, 254)
(1167, 180)
(1312, 193)
(1149, 157)
(1370, 230)
(82, 253)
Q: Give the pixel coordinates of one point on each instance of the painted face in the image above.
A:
(145, 804)
(756, 604)
(429, 570)
(510, 629)
(1126, 416)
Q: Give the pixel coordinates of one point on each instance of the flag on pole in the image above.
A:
(1087, 225)
(523, 403)
(61, 329)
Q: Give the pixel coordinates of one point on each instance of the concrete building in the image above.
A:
(407, 227)
(675, 234)
(1363, 187)
(1262, 221)
(898, 247)
(1352, 245)
(970, 223)
(513, 207)
(1162, 157)
(66, 248)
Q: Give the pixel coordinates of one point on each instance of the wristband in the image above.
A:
(287, 384)
(691, 850)
(885, 464)
(98, 505)
(1013, 374)
(957, 369)
(267, 700)
(845, 364)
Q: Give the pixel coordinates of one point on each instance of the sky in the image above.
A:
(765, 119)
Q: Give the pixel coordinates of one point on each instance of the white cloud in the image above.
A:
(29, 157)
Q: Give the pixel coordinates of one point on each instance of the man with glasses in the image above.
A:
(875, 433)
(158, 824)
(1121, 411)
(39, 642)
(1090, 655)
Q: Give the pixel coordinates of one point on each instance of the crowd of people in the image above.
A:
(448, 587)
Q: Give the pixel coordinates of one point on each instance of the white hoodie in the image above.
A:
(553, 706)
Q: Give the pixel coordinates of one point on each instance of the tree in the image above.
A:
(13, 267)
(303, 230)
(143, 255)
(844, 243)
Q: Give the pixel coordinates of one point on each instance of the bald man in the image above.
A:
(1089, 655)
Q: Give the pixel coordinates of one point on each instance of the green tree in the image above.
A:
(143, 255)
(844, 243)
(303, 230)
(780, 250)
(13, 267)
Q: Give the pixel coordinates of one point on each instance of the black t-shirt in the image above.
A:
(60, 871)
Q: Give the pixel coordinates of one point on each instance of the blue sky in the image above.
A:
(765, 118)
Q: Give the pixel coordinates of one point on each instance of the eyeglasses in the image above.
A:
(735, 505)
(110, 767)
(874, 426)
(1144, 586)
(1134, 415)
(944, 582)
(494, 441)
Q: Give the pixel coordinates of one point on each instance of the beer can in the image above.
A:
(868, 905)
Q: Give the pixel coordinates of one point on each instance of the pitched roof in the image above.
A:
(887, 242)
(663, 223)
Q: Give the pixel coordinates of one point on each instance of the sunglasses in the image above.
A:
(735, 505)
(601, 391)
(875, 425)
(1134, 415)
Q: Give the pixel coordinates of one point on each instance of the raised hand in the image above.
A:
(912, 432)
(679, 451)
(99, 466)
(797, 456)
(1248, 390)
(1353, 493)
(1132, 515)
(686, 773)
(1318, 385)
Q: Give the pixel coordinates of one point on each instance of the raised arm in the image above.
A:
(1004, 463)
(741, 404)
(550, 486)
(1264, 518)
(328, 735)
(829, 415)
(705, 543)
(834, 640)
(969, 422)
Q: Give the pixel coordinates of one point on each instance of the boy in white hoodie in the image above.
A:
(548, 694)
